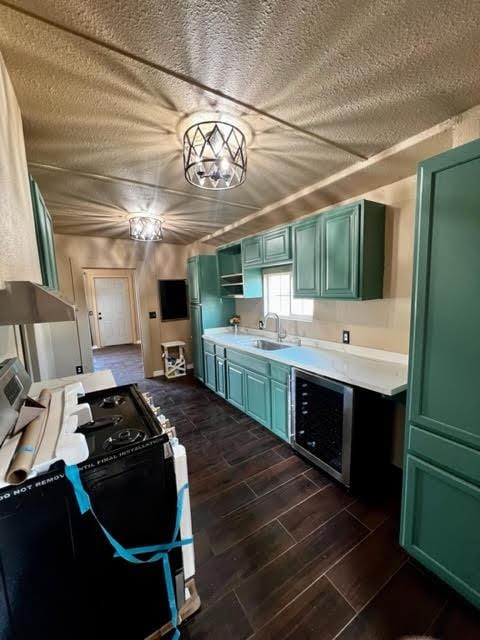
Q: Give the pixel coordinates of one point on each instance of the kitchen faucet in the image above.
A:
(281, 333)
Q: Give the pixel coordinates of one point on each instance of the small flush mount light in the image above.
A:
(215, 151)
(145, 228)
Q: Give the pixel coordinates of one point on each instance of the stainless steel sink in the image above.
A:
(266, 345)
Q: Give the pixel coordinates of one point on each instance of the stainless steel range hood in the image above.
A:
(24, 302)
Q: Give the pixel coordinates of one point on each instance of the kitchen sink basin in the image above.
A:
(266, 345)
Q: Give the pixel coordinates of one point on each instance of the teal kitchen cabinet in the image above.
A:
(267, 249)
(235, 280)
(306, 258)
(252, 251)
(277, 246)
(207, 308)
(193, 280)
(280, 409)
(202, 276)
(221, 380)
(441, 489)
(441, 524)
(257, 397)
(44, 233)
(210, 371)
(352, 251)
(235, 385)
(197, 346)
(339, 253)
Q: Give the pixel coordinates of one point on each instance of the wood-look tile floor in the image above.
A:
(282, 552)
(124, 360)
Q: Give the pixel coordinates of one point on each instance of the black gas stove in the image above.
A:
(59, 577)
(121, 417)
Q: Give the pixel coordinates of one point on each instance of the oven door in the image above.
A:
(322, 415)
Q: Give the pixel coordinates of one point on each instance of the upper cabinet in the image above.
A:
(306, 259)
(45, 241)
(252, 251)
(235, 280)
(352, 251)
(202, 279)
(340, 254)
(193, 280)
(277, 246)
(267, 249)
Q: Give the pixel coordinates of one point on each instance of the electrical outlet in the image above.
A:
(346, 336)
(152, 315)
(79, 369)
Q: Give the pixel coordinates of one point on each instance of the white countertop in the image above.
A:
(91, 382)
(384, 376)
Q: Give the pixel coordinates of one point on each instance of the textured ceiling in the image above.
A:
(101, 108)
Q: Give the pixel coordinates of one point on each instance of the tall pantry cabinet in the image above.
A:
(441, 493)
(207, 308)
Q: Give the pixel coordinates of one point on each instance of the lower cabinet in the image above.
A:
(257, 397)
(210, 373)
(263, 396)
(437, 501)
(279, 421)
(221, 382)
(235, 385)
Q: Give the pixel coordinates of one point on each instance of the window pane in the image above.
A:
(278, 297)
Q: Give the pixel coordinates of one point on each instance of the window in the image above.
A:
(278, 297)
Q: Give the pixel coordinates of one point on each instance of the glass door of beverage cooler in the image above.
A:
(322, 430)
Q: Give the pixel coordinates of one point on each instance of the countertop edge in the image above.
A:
(273, 355)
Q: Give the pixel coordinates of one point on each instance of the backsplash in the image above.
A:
(379, 324)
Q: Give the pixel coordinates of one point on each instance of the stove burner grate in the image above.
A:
(124, 437)
(112, 401)
(102, 423)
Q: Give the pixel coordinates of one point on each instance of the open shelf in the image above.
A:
(234, 280)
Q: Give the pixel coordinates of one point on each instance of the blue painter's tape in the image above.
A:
(160, 552)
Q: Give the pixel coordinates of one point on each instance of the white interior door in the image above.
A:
(113, 311)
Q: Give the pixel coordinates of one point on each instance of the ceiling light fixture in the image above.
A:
(215, 154)
(146, 228)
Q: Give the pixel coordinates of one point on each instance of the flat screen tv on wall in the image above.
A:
(173, 299)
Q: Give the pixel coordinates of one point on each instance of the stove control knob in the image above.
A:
(148, 398)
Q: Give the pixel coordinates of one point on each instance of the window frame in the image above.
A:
(293, 317)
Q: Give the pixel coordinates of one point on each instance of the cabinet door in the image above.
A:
(280, 409)
(306, 259)
(210, 373)
(221, 387)
(276, 246)
(252, 251)
(441, 524)
(445, 354)
(340, 252)
(45, 242)
(257, 397)
(235, 385)
(197, 343)
(441, 494)
(193, 280)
